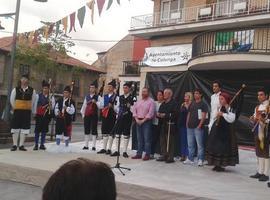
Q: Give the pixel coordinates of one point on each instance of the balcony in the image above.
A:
(232, 48)
(131, 68)
(231, 14)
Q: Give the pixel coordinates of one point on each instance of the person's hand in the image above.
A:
(220, 114)
(199, 127)
(94, 101)
(110, 105)
(162, 115)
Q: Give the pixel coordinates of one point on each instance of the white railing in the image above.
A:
(226, 9)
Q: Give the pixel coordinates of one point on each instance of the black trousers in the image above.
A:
(90, 125)
(123, 126)
(21, 119)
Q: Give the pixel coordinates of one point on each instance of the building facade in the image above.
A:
(193, 42)
(74, 70)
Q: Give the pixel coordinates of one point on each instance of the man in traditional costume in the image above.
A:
(64, 112)
(22, 100)
(109, 105)
(261, 127)
(89, 113)
(44, 112)
(124, 120)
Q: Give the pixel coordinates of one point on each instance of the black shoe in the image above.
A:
(215, 168)
(21, 148)
(257, 175)
(13, 148)
(116, 153)
(220, 169)
(102, 151)
(108, 152)
(264, 178)
(125, 155)
(268, 184)
(35, 148)
(93, 148)
(170, 161)
(161, 159)
(42, 147)
(85, 148)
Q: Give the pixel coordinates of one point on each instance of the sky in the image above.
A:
(113, 24)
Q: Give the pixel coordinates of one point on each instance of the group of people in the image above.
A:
(157, 124)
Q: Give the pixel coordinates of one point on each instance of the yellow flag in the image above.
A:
(65, 23)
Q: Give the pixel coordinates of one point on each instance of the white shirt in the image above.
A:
(13, 98)
(215, 106)
(85, 104)
(229, 117)
(70, 110)
(157, 105)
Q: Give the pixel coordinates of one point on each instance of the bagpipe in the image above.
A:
(105, 111)
(235, 103)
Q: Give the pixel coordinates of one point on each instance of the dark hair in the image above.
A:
(159, 91)
(81, 179)
(262, 89)
(198, 90)
(217, 82)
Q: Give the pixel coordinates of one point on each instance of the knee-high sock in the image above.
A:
(86, 139)
(105, 141)
(94, 139)
(15, 137)
(266, 167)
(67, 140)
(43, 138)
(126, 141)
(22, 139)
(117, 137)
(58, 139)
(110, 143)
(261, 165)
(36, 138)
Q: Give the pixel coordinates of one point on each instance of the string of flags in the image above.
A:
(68, 22)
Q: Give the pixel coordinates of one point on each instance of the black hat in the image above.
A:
(95, 84)
(25, 76)
(45, 84)
(68, 89)
(112, 83)
(128, 84)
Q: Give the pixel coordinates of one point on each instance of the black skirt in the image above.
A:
(222, 149)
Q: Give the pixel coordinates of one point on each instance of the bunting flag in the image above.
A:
(57, 27)
(118, 1)
(100, 4)
(81, 15)
(91, 6)
(109, 4)
(72, 22)
(65, 24)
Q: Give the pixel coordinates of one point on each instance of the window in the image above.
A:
(76, 87)
(171, 10)
(24, 70)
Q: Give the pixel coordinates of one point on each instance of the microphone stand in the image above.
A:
(118, 165)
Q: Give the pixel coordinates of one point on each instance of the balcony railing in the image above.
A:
(222, 10)
(132, 67)
(251, 40)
